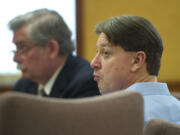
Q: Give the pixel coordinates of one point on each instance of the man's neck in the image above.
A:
(142, 78)
(54, 66)
(147, 78)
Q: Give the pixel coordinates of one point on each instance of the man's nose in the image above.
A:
(95, 63)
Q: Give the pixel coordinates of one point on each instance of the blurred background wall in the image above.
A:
(164, 14)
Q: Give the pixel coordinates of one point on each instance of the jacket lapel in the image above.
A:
(62, 80)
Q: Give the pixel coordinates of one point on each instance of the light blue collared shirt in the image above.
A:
(158, 102)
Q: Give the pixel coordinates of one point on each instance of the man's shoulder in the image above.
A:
(23, 84)
(78, 60)
(75, 73)
(24, 81)
(77, 64)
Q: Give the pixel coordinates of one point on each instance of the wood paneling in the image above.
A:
(5, 89)
(163, 14)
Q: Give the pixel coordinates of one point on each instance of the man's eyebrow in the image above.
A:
(103, 45)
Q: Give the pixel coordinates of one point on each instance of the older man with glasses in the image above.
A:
(44, 55)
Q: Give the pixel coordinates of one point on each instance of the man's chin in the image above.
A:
(21, 67)
(26, 75)
(105, 90)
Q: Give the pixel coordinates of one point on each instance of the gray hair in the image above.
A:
(135, 33)
(44, 25)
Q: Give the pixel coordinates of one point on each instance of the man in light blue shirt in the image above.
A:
(158, 102)
(129, 50)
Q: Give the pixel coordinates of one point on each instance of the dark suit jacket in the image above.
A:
(75, 80)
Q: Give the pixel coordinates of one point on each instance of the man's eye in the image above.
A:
(106, 53)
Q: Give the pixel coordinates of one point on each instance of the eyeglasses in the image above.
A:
(23, 51)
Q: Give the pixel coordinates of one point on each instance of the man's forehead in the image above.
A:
(102, 37)
(103, 41)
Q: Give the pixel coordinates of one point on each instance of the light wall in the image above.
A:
(164, 14)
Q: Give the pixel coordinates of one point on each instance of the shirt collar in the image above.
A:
(149, 88)
(48, 86)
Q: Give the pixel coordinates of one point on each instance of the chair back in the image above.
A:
(111, 114)
(161, 127)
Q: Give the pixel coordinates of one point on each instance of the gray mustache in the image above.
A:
(20, 67)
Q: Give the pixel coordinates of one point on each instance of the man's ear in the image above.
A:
(138, 61)
(53, 48)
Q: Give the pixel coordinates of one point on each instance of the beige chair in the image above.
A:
(118, 113)
(176, 94)
(161, 127)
